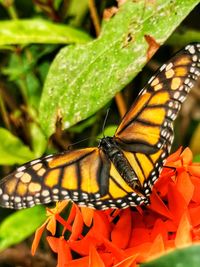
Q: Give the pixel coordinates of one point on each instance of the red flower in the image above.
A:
(126, 237)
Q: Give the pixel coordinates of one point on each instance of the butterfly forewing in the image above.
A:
(146, 131)
(72, 174)
(85, 176)
(148, 124)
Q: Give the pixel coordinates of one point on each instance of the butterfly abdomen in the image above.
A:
(116, 156)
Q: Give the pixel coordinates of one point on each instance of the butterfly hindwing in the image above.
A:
(147, 167)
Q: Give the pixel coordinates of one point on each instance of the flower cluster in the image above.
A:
(124, 238)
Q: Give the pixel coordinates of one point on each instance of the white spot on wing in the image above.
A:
(5, 197)
(169, 66)
(163, 67)
(19, 174)
(191, 49)
(35, 161)
(45, 193)
(17, 199)
(20, 169)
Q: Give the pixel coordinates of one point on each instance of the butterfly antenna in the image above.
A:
(78, 142)
(105, 120)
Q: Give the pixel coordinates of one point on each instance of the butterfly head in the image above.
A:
(106, 142)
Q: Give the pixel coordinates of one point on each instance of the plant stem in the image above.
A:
(95, 17)
(12, 12)
(120, 104)
(4, 113)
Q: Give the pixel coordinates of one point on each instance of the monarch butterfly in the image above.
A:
(121, 171)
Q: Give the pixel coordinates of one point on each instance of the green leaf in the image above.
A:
(39, 141)
(79, 128)
(14, 72)
(33, 89)
(108, 131)
(57, 4)
(77, 11)
(20, 225)
(83, 78)
(186, 257)
(12, 150)
(27, 73)
(43, 70)
(39, 31)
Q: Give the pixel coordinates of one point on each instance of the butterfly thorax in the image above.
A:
(116, 156)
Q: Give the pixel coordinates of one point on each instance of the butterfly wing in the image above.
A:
(147, 127)
(85, 176)
(147, 168)
(146, 131)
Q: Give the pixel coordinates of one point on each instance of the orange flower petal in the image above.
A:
(157, 247)
(101, 224)
(175, 156)
(82, 246)
(51, 225)
(60, 246)
(161, 185)
(195, 216)
(186, 156)
(140, 233)
(82, 262)
(174, 165)
(196, 234)
(77, 226)
(196, 194)
(108, 259)
(183, 235)
(185, 186)
(141, 250)
(112, 214)
(157, 205)
(122, 230)
(137, 220)
(170, 245)
(37, 237)
(64, 252)
(117, 252)
(72, 214)
(170, 226)
(139, 236)
(194, 169)
(94, 258)
(128, 262)
(159, 229)
(87, 214)
(60, 205)
(177, 204)
(53, 243)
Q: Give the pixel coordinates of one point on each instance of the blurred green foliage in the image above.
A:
(20, 225)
